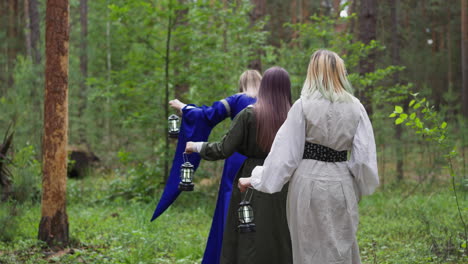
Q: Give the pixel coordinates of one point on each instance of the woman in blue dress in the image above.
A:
(197, 123)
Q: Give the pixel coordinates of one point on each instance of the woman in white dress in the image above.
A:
(310, 151)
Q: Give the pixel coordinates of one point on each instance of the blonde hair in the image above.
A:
(249, 82)
(327, 75)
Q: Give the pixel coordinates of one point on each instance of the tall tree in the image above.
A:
(109, 75)
(395, 55)
(34, 29)
(83, 67)
(53, 227)
(464, 57)
(167, 60)
(181, 86)
(13, 38)
(367, 33)
(294, 18)
(27, 34)
(258, 13)
(31, 14)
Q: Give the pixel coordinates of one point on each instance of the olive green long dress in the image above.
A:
(271, 243)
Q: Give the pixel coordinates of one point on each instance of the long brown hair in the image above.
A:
(273, 104)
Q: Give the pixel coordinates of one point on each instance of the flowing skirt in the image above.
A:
(271, 243)
(322, 213)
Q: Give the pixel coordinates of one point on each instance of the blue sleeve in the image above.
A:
(237, 103)
(196, 125)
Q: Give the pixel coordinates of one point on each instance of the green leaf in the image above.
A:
(398, 121)
(444, 125)
(412, 116)
(392, 115)
(411, 103)
(416, 106)
(398, 109)
(403, 116)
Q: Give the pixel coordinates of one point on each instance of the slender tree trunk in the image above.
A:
(12, 39)
(449, 48)
(352, 24)
(258, 12)
(464, 57)
(83, 69)
(53, 227)
(305, 11)
(109, 78)
(166, 98)
(27, 33)
(294, 18)
(181, 86)
(3, 44)
(395, 54)
(336, 8)
(33, 39)
(35, 33)
(367, 33)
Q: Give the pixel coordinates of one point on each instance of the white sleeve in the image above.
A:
(285, 155)
(198, 146)
(363, 161)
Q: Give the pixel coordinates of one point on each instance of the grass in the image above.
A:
(423, 228)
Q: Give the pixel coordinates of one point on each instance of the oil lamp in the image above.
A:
(173, 121)
(186, 176)
(245, 214)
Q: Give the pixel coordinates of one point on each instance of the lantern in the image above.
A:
(186, 176)
(173, 121)
(246, 216)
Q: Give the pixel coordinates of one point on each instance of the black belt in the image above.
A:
(322, 153)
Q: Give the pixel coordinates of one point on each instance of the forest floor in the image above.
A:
(397, 225)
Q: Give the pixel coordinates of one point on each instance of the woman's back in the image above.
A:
(331, 124)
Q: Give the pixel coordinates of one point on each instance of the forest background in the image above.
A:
(407, 61)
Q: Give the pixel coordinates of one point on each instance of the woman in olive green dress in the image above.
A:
(251, 134)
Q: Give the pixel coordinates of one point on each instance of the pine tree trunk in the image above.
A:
(35, 33)
(396, 60)
(336, 8)
(294, 18)
(449, 49)
(12, 39)
(181, 87)
(27, 33)
(83, 68)
(53, 227)
(464, 57)
(367, 33)
(258, 12)
(167, 59)
(305, 11)
(107, 126)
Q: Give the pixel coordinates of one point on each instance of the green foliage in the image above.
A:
(427, 122)
(391, 230)
(26, 172)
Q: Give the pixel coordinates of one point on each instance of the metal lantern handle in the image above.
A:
(246, 193)
(184, 156)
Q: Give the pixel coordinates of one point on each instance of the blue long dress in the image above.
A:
(196, 125)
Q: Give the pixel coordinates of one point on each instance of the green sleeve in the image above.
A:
(230, 142)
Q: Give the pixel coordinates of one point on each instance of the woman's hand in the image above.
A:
(244, 183)
(177, 105)
(190, 147)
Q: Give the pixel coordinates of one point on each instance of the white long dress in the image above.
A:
(322, 209)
